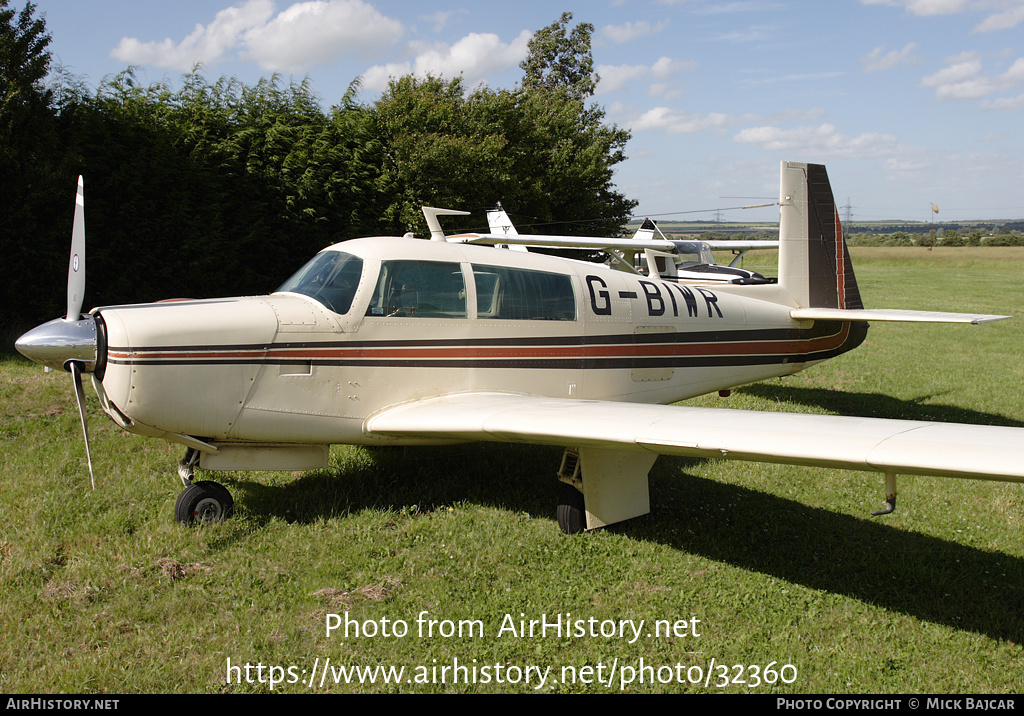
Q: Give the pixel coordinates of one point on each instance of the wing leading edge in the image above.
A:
(869, 444)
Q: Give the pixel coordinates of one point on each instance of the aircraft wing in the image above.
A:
(742, 245)
(637, 243)
(570, 242)
(870, 444)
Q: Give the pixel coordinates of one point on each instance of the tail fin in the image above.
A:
(815, 273)
(499, 222)
(814, 265)
(645, 232)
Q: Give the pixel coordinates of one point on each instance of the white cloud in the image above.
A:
(474, 57)
(679, 122)
(1001, 19)
(960, 79)
(619, 34)
(924, 7)
(439, 19)
(738, 7)
(1016, 71)
(936, 7)
(1005, 20)
(303, 35)
(824, 140)
(964, 79)
(616, 77)
(317, 32)
(1004, 103)
(206, 44)
(673, 121)
(875, 60)
(752, 34)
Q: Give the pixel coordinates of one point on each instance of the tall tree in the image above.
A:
(558, 59)
(219, 188)
(28, 155)
(24, 64)
(439, 148)
(541, 152)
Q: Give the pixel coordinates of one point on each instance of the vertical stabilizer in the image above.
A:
(499, 223)
(814, 265)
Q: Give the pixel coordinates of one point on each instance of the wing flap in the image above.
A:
(871, 444)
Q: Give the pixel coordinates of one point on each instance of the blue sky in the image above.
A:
(907, 102)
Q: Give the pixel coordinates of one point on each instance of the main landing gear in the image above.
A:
(602, 487)
(572, 513)
(201, 503)
(572, 516)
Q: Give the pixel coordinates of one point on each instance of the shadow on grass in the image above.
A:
(924, 577)
(876, 405)
(515, 477)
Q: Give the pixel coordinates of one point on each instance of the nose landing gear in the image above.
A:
(201, 503)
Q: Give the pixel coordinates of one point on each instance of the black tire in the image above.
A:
(204, 503)
(572, 515)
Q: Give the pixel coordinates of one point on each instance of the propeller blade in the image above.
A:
(76, 267)
(76, 377)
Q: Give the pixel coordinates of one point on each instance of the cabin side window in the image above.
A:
(523, 295)
(422, 289)
(330, 277)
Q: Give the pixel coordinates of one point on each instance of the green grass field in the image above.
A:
(752, 566)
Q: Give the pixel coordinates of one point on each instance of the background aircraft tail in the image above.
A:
(499, 222)
(814, 264)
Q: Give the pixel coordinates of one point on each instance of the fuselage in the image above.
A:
(372, 323)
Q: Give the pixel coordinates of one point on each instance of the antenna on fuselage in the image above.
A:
(431, 214)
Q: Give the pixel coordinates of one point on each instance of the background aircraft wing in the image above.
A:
(742, 245)
(871, 444)
(573, 242)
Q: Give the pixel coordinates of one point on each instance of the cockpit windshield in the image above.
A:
(690, 253)
(331, 277)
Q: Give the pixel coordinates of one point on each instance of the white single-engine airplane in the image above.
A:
(691, 261)
(407, 341)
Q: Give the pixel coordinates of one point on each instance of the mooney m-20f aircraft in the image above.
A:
(385, 341)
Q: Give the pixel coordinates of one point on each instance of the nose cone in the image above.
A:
(59, 341)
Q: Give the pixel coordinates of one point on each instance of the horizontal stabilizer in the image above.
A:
(883, 314)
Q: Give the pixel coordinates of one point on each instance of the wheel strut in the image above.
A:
(890, 496)
(572, 513)
(187, 466)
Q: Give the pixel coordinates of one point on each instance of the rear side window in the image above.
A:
(420, 289)
(331, 277)
(523, 295)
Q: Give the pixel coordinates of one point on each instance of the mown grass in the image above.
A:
(103, 592)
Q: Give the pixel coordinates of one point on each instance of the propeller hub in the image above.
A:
(60, 342)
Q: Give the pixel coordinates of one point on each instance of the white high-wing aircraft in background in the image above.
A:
(385, 341)
(686, 261)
